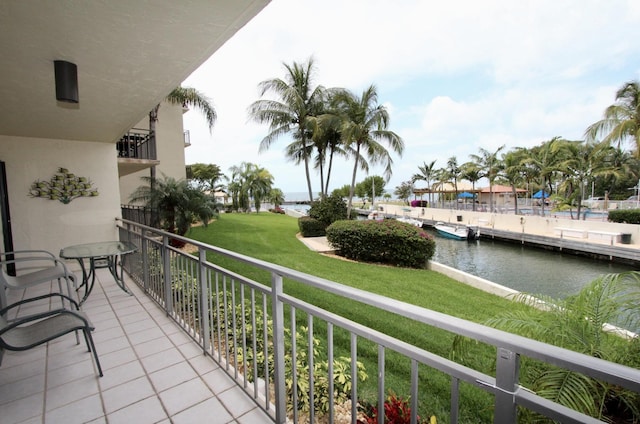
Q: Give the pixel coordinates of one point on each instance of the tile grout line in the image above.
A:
(138, 358)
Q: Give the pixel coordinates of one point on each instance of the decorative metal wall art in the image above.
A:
(64, 186)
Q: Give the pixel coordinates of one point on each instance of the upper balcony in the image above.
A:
(136, 151)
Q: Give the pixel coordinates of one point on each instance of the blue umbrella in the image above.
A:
(465, 195)
(540, 194)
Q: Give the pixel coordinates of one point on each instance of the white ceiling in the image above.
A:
(130, 54)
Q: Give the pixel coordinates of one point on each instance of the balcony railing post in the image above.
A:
(166, 261)
(145, 263)
(507, 370)
(204, 298)
(278, 349)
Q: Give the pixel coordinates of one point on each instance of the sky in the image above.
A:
(455, 76)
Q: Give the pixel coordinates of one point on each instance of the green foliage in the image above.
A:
(271, 237)
(311, 227)
(578, 323)
(368, 185)
(396, 411)
(205, 175)
(628, 216)
(342, 191)
(329, 209)
(238, 320)
(388, 241)
(404, 191)
(177, 202)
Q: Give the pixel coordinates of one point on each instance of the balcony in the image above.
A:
(136, 151)
(187, 345)
(153, 371)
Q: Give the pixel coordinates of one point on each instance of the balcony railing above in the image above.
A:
(137, 143)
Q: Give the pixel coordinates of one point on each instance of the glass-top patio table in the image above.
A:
(104, 254)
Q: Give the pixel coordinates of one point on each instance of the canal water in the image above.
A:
(526, 269)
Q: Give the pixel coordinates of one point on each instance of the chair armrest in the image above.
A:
(7, 308)
(42, 254)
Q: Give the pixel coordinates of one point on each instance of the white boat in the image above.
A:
(412, 221)
(456, 232)
(376, 216)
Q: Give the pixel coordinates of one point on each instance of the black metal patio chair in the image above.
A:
(29, 331)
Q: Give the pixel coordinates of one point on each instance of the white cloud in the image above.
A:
(495, 72)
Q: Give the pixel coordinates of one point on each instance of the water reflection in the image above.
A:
(525, 269)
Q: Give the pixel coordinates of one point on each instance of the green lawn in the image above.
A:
(272, 237)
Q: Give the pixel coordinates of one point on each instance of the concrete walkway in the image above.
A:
(318, 244)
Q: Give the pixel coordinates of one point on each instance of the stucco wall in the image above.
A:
(170, 150)
(39, 223)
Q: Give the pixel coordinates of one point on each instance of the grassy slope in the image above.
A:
(271, 237)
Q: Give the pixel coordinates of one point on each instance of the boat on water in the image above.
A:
(412, 221)
(456, 232)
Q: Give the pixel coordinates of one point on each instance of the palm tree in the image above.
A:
(185, 96)
(426, 174)
(543, 163)
(472, 173)
(514, 171)
(177, 202)
(364, 127)
(404, 191)
(441, 179)
(582, 162)
(327, 140)
(250, 181)
(275, 196)
(621, 121)
(259, 183)
(298, 102)
(205, 175)
(453, 171)
(579, 323)
(627, 167)
(490, 165)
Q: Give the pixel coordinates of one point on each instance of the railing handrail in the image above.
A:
(504, 386)
(598, 368)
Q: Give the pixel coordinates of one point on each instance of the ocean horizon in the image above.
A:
(303, 196)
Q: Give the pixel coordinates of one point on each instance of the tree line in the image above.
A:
(566, 169)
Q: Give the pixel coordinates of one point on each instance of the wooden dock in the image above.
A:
(600, 250)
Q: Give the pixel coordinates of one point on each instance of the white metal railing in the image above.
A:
(226, 314)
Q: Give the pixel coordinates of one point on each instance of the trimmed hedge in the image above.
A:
(329, 209)
(387, 241)
(628, 216)
(311, 227)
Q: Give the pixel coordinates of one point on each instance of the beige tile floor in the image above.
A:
(153, 372)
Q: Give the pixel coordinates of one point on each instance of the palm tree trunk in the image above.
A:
(322, 192)
(326, 187)
(306, 170)
(353, 181)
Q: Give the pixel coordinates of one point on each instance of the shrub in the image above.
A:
(236, 319)
(628, 216)
(396, 411)
(388, 241)
(277, 209)
(329, 209)
(311, 227)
